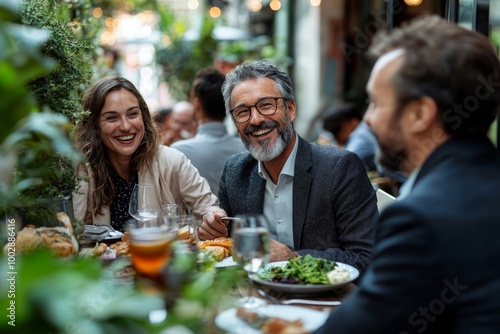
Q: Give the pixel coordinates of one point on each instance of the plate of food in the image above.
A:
(219, 250)
(270, 319)
(305, 275)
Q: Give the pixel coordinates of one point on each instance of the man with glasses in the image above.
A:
(317, 200)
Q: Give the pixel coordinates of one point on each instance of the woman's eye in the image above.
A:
(111, 118)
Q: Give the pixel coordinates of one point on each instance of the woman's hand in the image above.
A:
(212, 225)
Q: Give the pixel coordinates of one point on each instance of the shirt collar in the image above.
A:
(407, 186)
(288, 168)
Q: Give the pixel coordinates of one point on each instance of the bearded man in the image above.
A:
(317, 200)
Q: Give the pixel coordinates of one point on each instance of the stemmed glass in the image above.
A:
(142, 204)
(251, 250)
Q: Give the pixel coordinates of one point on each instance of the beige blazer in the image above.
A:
(175, 179)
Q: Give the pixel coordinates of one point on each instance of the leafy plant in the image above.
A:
(81, 295)
(60, 89)
(20, 62)
(180, 60)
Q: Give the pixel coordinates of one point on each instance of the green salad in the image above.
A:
(300, 270)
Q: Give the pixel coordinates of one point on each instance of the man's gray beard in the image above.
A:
(267, 151)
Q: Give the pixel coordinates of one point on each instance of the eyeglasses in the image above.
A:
(266, 106)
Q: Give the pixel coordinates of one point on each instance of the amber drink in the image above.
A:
(150, 249)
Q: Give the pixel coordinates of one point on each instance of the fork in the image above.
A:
(275, 300)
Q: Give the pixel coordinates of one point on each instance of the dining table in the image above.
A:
(233, 296)
(230, 298)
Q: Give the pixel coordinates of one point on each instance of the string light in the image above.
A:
(97, 12)
(193, 4)
(214, 12)
(413, 2)
(275, 5)
(315, 3)
(254, 5)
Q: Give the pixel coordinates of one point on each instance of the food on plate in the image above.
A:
(121, 248)
(186, 233)
(217, 252)
(300, 270)
(270, 325)
(59, 239)
(99, 249)
(218, 248)
(338, 275)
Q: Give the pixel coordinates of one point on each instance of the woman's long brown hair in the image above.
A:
(89, 142)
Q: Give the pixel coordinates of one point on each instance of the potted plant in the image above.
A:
(44, 173)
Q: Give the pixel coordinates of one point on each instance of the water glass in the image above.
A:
(170, 215)
(251, 249)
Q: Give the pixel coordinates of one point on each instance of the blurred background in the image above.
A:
(321, 43)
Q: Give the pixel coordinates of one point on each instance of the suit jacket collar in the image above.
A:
(456, 149)
(301, 188)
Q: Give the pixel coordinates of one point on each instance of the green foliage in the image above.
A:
(20, 62)
(75, 295)
(181, 59)
(81, 295)
(60, 90)
(38, 149)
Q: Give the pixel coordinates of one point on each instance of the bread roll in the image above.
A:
(59, 239)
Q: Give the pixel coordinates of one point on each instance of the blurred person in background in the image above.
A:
(345, 123)
(183, 123)
(434, 91)
(209, 149)
(162, 121)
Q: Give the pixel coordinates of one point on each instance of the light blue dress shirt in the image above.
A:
(278, 200)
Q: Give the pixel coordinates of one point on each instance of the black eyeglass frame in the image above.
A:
(257, 108)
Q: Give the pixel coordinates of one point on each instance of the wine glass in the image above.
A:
(251, 250)
(142, 204)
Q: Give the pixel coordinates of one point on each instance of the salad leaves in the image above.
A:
(300, 270)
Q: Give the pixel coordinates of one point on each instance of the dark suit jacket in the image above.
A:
(436, 261)
(334, 204)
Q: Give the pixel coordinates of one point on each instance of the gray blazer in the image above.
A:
(334, 203)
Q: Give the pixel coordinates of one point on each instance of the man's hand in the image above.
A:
(212, 225)
(280, 252)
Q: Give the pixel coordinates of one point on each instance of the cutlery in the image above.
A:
(275, 300)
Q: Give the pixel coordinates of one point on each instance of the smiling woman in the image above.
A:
(122, 148)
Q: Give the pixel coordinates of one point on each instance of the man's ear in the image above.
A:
(423, 114)
(198, 109)
(292, 110)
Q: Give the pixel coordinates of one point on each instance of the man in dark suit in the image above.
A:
(434, 90)
(317, 200)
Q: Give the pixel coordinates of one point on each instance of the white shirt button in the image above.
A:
(279, 221)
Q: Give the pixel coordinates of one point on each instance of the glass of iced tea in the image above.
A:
(150, 248)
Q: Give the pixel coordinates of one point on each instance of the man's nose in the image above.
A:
(255, 116)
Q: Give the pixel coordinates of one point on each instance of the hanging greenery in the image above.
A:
(60, 89)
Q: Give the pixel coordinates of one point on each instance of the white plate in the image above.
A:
(305, 288)
(227, 262)
(312, 319)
